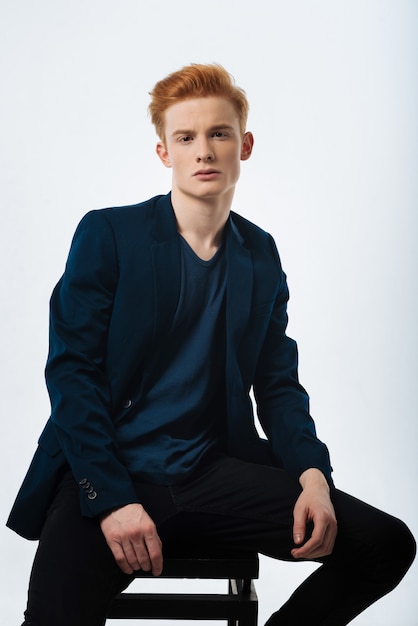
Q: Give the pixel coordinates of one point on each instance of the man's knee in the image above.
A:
(402, 548)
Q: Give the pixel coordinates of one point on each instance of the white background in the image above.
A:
(334, 177)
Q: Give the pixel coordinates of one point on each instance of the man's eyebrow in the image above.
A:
(222, 127)
(181, 132)
(211, 129)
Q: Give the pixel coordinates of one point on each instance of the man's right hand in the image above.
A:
(132, 536)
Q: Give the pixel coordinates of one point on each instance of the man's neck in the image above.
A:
(201, 222)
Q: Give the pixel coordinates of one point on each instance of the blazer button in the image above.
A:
(127, 404)
(92, 495)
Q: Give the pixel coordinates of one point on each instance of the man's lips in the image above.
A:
(206, 172)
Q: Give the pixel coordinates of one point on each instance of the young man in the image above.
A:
(168, 313)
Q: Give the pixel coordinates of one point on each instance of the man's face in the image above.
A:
(204, 147)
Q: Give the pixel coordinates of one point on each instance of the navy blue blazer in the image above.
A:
(112, 307)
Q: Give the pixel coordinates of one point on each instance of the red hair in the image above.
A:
(196, 81)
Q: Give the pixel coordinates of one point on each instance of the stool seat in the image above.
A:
(239, 605)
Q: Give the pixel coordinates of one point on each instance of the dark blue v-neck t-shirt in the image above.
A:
(181, 415)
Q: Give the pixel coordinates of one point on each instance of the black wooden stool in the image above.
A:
(239, 606)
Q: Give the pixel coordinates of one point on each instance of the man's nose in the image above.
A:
(204, 151)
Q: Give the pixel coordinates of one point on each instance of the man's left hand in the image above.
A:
(314, 505)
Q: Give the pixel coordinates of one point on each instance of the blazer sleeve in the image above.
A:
(80, 392)
(282, 402)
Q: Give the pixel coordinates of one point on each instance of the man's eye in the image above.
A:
(186, 139)
(219, 133)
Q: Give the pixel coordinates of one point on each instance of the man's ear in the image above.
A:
(247, 146)
(163, 154)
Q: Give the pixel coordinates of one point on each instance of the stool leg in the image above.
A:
(243, 587)
(231, 622)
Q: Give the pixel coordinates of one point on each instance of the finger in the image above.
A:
(319, 545)
(141, 555)
(154, 547)
(309, 550)
(136, 556)
(299, 524)
(149, 554)
(313, 544)
(120, 558)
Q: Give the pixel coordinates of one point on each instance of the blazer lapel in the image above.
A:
(239, 285)
(166, 266)
(238, 306)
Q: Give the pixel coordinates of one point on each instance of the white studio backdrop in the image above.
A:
(334, 99)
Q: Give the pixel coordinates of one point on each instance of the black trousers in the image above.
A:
(228, 502)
